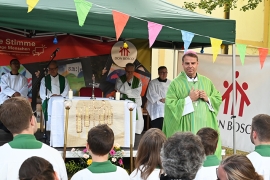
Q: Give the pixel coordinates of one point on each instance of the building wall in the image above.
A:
(252, 29)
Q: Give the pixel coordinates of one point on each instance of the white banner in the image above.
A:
(252, 93)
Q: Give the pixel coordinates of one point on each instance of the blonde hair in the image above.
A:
(239, 167)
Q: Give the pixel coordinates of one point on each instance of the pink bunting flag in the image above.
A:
(262, 53)
(153, 31)
(120, 20)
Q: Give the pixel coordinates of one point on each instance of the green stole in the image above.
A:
(48, 84)
(25, 141)
(211, 160)
(134, 85)
(102, 167)
(263, 150)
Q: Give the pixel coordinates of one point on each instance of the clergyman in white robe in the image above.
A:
(13, 83)
(156, 90)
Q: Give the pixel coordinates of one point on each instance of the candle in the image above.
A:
(70, 94)
(117, 95)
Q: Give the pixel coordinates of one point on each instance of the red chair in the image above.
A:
(87, 92)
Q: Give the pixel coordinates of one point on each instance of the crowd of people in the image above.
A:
(182, 143)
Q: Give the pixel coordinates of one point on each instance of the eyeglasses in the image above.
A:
(51, 69)
(217, 174)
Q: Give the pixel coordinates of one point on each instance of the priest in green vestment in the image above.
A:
(55, 84)
(192, 101)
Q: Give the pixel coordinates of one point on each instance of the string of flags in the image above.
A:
(120, 20)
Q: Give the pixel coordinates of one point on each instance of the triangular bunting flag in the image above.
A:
(262, 53)
(120, 20)
(242, 52)
(82, 8)
(187, 38)
(153, 31)
(31, 4)
(215, 43)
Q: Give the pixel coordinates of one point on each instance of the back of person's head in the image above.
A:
(261, 124)
(148, 154)
(15, 114)
(182, 155)
(209, 138)
(100, 139)
(37, 168)
(238, 167)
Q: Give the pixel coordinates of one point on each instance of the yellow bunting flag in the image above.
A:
(215, 43)
(120, 20)
(31, 4)
(82, 7)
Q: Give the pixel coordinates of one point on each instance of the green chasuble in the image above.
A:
(48, 84)
(201, 117)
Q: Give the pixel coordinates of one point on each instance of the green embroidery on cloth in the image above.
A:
(102, 167)
(211, 160)
(263, 150)
(25, 141)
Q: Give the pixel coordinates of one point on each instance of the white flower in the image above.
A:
(123, 152)
(73, 150)
(113, 159)
(117, 146)
(86, 156)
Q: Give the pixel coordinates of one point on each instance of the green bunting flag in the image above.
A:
(242, 52)
(82, 8)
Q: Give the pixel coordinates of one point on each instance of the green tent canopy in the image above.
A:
(61, 16)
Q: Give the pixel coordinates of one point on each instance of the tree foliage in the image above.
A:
(210, 5)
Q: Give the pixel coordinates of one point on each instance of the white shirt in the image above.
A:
(11, 84)
(156, 91)
(55, 88)
(137, 175)
(261, 164)
(85, 174)
(11, 160)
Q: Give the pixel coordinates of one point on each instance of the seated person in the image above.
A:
(182, 155)
(99, 143)
(148, 163)
(237, 167)
(37, 168)
(209, 138)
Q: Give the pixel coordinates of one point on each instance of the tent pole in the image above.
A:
(174, 63)
(234, 96)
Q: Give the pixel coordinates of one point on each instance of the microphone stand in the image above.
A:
(44, 137)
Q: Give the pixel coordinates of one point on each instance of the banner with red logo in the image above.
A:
(40, 49)
(252, 94)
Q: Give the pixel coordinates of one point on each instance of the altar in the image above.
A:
(86, 113)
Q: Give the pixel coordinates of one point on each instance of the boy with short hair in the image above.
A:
(209, 138)
(99, 143)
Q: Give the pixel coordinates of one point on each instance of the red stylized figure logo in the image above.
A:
(240, 90)
(124, 51)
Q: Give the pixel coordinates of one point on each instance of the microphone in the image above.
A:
(54, 53)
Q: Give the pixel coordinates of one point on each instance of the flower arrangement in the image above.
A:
(85, 159)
